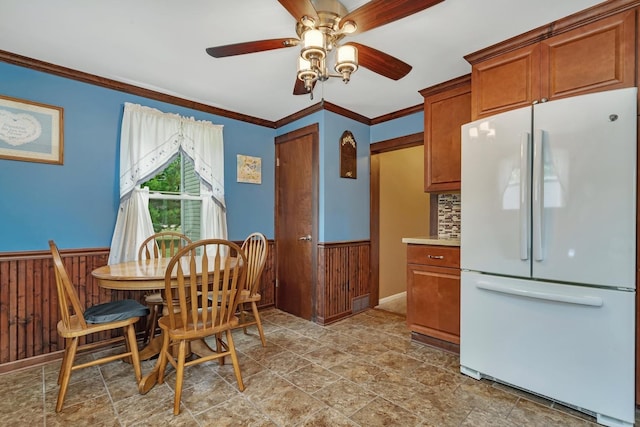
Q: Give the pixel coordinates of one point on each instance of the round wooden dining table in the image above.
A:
(145, 275)
(142, 275)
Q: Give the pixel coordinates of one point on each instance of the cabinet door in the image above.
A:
(433, 301)
(444, 113)
(592, 58)
(506, 82)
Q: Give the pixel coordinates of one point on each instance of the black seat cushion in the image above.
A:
(115, 310)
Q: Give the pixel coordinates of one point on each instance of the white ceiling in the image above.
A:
(160, 45)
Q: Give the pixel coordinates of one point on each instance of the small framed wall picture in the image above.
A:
(348, 155)
(249, 169)
(30, 131)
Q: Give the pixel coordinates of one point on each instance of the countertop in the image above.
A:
(431, 240)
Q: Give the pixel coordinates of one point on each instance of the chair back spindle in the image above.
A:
(156, 246)
(255, 248)
(216, 274)
(67, 296)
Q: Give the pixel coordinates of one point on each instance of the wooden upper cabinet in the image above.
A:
(594, 57)
(506, 82)
(562, 62)
(446, 107)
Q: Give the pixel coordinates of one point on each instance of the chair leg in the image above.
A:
(67, 345)
(256, 315)
(162, 359)
(234, 360)
(182, 352)
(65, 370)
(242, 318)
(219, 348)
(152, 323)
(130, 332)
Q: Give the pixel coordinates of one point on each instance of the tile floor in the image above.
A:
(361, 371)
(395, 305)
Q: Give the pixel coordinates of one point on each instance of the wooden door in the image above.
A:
(296, 220)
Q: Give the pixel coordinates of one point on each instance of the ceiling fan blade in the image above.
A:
(300, 8)
(381, 12)
(250, 47)
(299, 89)
(380, 62)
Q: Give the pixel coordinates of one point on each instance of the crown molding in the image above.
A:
(58, 70)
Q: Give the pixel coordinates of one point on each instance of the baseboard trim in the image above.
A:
(435, 342)
(392, 298)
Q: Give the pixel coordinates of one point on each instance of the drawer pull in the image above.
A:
(435, 256)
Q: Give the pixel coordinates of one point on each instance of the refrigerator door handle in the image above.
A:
(588, 300)
(525, 196)
(538, 195)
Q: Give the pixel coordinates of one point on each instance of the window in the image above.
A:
(175, 203)
(149, 139)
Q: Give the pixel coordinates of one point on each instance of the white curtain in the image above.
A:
(213, 219)
(149, 140)
(133, 225)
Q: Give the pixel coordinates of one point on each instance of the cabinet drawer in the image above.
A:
(442, 256)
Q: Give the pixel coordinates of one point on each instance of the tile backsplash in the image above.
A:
(449, 216)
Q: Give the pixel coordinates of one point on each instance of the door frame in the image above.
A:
(314, 131)
(393, 144)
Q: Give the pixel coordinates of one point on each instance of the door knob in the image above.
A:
(307, 237)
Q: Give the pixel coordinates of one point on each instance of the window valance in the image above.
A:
(150, 139)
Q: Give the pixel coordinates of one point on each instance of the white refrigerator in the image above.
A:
(548, 251)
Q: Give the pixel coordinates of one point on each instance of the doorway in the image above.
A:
(399, 208)
(296, 222)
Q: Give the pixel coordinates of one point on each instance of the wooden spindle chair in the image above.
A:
(160, 245)
(255, 248)
(221, 275)
(76, 322)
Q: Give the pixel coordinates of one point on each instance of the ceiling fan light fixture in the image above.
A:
(347, 54)
(304, 66)
(306, 73)
(321, 25)
(348, 27)
(307, 21)
(346, 61)
(313, 45)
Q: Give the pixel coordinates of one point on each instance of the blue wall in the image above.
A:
(344, 213)
(75, 204)
(402, 126)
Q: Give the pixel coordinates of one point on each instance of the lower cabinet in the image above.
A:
(433, 291)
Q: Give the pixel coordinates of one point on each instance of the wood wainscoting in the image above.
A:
(343, 280)
(29, 303)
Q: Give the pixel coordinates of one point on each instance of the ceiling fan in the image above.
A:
(321, 25)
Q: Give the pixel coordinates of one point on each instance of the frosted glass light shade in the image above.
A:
(303, 64)
(313, 45)
(306, 73)
(313, 39)
(347, 54)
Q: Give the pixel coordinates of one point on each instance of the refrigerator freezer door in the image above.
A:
(586, 182)
(495, 225)
(570, 343)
